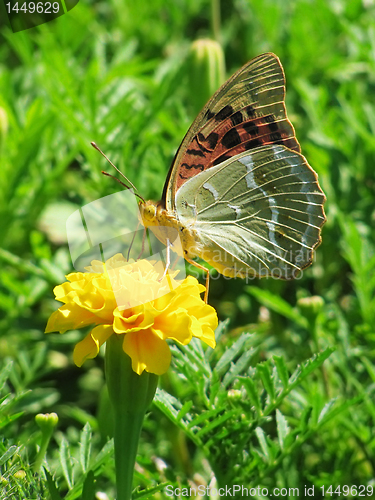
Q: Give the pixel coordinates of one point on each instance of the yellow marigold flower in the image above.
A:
(129, 299)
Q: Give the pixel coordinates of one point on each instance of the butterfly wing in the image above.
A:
(258, 214)
(246, 112)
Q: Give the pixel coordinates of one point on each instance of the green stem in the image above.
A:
(127, 431)
(130, 394)
(215, 19)
(42, 452)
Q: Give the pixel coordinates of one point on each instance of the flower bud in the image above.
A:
(311, 307)
(20, 474)
(206, 70)
(46, 421)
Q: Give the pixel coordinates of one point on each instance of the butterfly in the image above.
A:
(239, 194)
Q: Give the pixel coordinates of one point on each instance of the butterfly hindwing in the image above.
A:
(245, 113)
(258, 214)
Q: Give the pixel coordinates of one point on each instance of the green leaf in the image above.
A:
(204, 417)
(282, 428)
(282, 370)
(311, 365)
(52, 489)
(88, 491)
(238, 367)
(171, 407)
(252, 393)
(326, 409)
(85, 447)
(305, 418)
(219, 421)
(264, 373)
(185, 410)
(261, 435)
(66, 462)
(231, 353)
(9, 454)
(4, 421)
(149, 492)
(278, 305)
(105, 455)
(329, 412)
(4, 374)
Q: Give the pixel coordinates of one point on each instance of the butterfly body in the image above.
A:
(239, 194)
(167, 227)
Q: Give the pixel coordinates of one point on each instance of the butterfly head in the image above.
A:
(149, 213)
(161, 221)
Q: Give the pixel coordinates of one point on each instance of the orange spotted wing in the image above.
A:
(248, 111)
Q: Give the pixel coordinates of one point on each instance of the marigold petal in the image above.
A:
(203, 332)
(173, 325)
(204, 323)
(68, 318)
(132, 320)
(89, 347)
(186, 295)
(208, 336)
(147, 351)
(78, 276)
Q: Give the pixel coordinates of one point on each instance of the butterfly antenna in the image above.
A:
(115, 178)
(95, 146)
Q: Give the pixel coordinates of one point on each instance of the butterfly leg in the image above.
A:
(132, 241)
(168, 260)
(143, 244)
(199, 266)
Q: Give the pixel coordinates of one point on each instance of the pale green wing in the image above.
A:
(258, 214)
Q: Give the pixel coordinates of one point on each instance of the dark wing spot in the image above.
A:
(221, 158)
(250, 111)
(251, 128)
(237, 118)
(253, 144)
(276, 137)
(195, 152)
(231, 139)
(208, 115)
(270, 119)
(224, 113)
(198, 166)
(199, 139)
(273, 126)
(212, 140)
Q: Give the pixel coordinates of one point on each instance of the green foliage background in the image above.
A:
(260, 409)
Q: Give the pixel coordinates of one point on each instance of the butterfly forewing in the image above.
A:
(245, 113)
(258, 214)
(239, 192)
